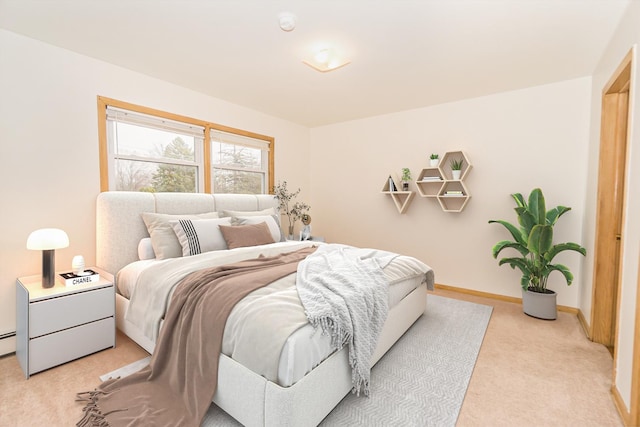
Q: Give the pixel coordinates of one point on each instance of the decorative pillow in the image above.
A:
(271, 220)
(239, 236)
(145, 250)
(268, 211)
(163, 238)
(200, 235)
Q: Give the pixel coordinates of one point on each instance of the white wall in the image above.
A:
(49, 174)
(535, 137)
(626, 37)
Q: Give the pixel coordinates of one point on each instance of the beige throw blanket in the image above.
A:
(177, 387)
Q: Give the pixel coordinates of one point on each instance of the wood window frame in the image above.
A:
(104, 102)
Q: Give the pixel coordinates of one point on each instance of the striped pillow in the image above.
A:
(197, 236)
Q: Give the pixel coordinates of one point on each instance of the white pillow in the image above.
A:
(163, 239)
(272, 223)
(268, 211)
(145, 249)
(200, 235)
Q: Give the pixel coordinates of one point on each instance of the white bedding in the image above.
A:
(304, 348)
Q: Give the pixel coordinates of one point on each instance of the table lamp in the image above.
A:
(48, 240)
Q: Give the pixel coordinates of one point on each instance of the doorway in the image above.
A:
(610, 206)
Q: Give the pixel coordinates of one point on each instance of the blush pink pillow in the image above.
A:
(239, 236)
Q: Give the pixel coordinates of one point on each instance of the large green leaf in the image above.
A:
(509, 244)
(526, 220)
(525, 281)
(556, 249)
(562, 269)
(520, 263)
(537, 206)
(540, 239)
(555, 213)
(519, 200)
(515, 231)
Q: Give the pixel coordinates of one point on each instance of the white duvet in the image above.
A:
(267, 331)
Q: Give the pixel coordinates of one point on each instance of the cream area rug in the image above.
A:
(421, 381)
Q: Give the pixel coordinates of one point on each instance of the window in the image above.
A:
(240, 164)
(149, 150)
(148, 153)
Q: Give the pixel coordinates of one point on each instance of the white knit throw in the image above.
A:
(344, 291)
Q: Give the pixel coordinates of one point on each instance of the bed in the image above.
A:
(251, 398)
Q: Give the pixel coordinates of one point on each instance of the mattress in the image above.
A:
(305, 347)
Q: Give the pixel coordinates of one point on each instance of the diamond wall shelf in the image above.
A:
(402, 199)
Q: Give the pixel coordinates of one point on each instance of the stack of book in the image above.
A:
(392, 185)
(431, 178)
(70, 279)
(453, 193)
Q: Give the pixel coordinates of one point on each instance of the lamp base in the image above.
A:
(48, 268)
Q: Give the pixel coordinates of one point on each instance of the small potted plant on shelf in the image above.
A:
(406, 177)
(456, 168)
(534, 242)
(433, 160)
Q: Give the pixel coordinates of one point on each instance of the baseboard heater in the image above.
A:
(7, 343)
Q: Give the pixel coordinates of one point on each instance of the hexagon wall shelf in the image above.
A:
(437, 182)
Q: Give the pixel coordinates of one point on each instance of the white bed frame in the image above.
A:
(248, 397)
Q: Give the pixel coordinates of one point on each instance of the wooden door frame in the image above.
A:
(634, 410)
(615, 127)
(613, 133)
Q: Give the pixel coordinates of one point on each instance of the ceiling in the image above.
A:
(405, 54)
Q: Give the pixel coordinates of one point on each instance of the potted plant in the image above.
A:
(456, 168)
(297, 210)
(433, 160)
(406, 177)
(534, 242)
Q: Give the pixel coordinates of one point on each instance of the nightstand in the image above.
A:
(62, 323)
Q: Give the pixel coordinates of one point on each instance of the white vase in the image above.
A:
(433, 162)
(77, 265)
(456, 174)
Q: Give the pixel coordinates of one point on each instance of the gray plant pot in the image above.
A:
(539, 305)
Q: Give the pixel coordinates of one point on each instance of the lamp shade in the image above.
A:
(47, 238)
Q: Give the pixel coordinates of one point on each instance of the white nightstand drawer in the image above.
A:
(67, 311)
(56, 349)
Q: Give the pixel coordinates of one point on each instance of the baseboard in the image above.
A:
(499, 297)
(584, 324)
(478, 293)
(624, 413)
(7, 343)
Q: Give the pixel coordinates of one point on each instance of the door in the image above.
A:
(610, 208)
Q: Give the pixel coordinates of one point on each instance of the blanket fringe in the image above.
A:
(339, 338)
(92, 415)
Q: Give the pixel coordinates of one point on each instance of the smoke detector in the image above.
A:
(287, 21)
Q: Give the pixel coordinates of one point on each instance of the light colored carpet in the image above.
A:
(421, 381)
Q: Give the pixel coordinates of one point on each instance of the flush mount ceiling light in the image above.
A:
(287, 21)
(326, 60)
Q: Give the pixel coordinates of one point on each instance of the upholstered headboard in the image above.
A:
(119, 226)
